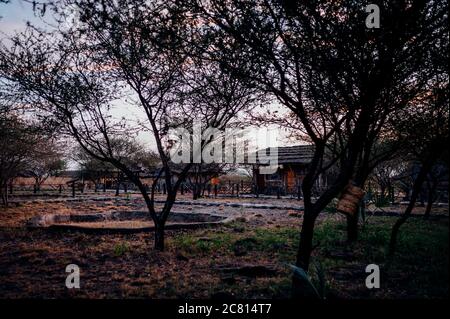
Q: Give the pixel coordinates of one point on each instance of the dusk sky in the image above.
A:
(17, 13)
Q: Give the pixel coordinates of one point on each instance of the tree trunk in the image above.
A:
(119, 179)
(431, 192)
(415, 193)
(352, 228)
(306, 237)
(304, 253)
(117, 189)
(428, 209)
(194, 191)
(4, 195)
(352, 221)
(159, 236)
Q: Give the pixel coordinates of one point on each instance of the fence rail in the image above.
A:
(231, 189)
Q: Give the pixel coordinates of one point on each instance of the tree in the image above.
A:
(135, 154)
(126, 50)
(342, 80)
(47, 161)
(424, 130)
(437, 175)
(17, 149)
(201, 174)
(92, 169)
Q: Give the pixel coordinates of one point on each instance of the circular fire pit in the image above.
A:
(124, 221)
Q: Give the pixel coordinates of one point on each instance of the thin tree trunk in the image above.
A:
(159, 236)
(304, 253)
(118, 185)
(428, 209)
(3, 196)
(352, 221)
(431, 192)
(306, 237)
(412, 202)
(352, 227)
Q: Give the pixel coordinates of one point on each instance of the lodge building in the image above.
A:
(293, 162)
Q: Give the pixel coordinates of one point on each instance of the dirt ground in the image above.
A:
(248, 258)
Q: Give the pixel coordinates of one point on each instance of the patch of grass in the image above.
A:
(418, 270)
(419, 267)
(283, 238)
(328, 234)
(193, 244)
(282, 241)
(238, 225)
(423, 255)
(121, 249)
(332, 206)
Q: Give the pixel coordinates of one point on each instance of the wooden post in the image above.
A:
(278, 192)
(237, 190)
(232, 190)
(10, 188)
(256, 190)
(299, 191)
(34, 189)
(125, 187)
(215, 191)
(60, 188)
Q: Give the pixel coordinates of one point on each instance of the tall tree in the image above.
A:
(342, 79)
(18, 147)
(117, 52)
(48, 160)
(424, 129)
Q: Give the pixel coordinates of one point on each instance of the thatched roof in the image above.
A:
(298, 154)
